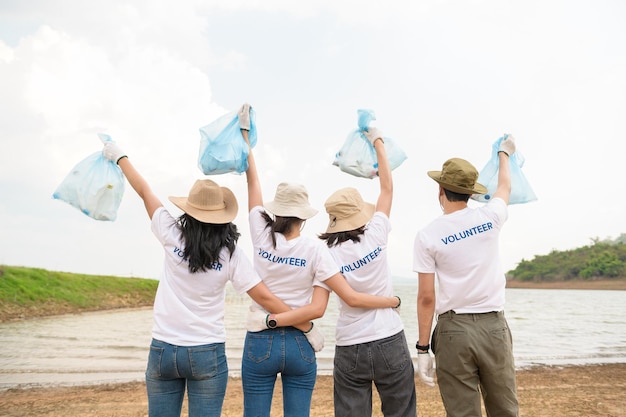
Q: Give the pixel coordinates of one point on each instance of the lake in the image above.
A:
(550, 327)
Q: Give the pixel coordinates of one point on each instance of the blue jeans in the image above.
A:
(267, 353)
(202, 370)
(386, 362)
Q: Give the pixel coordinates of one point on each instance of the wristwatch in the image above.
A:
(271, 322)
(422, 348)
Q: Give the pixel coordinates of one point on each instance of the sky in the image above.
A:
(444, 78)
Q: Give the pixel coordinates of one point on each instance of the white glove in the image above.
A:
(507, 145)
(244, 116)
(112, 152)
(425, 369)
(256, 320)
(373, 133)
(315, 338)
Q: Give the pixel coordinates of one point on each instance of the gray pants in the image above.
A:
(386, 362)
(474, 355)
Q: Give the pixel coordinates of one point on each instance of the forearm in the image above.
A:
(386, 182)
(301, 317)
(425, 307)
(255, 195)
(503, 190)
(358, 299)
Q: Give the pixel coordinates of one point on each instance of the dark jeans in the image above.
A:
(386, 362)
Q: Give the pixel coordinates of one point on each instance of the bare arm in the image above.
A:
(140, 185)
(503, 190)
(386, 180)
(358, 299)
(425, 307)
(301, 317)
(255, 195)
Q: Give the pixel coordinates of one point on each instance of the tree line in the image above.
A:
(602, 259)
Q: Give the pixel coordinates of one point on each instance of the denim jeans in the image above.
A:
(386, 362)
(202, 370)
(285, 351)
(474, 354)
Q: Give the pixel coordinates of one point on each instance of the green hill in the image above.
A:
(31, 292)
(602, 260)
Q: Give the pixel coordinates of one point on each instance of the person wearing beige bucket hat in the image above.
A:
(201, 256)
(471, 340)
(300, 271)
(370, 344)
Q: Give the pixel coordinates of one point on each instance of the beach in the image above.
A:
(572, 391)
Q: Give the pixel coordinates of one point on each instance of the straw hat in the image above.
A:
(291, 200)
(459, 176)
(208, 203)
(347, 210)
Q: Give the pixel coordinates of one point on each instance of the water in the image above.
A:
(550, 327)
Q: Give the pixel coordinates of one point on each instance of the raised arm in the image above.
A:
(255, 195)
(375, 136)
(358, 299)
(506, 150)
(114, 153)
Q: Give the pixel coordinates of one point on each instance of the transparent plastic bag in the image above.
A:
(222, 146)
(358, 157)
(95, 186)
(521, 191)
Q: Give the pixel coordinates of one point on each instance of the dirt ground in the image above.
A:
(585, 391)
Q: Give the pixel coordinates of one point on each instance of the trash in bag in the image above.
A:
(358, 157)
(95, 186)
(521, 191)
(222, 146)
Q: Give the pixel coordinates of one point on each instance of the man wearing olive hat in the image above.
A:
(471, 340)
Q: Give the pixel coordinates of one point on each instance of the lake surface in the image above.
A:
(550, 327)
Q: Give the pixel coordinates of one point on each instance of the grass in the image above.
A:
(32, 292)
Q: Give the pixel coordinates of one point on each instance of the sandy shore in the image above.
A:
(577, 391)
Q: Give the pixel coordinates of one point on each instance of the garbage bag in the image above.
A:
(95, 186)
(521, 191)
(358, 157)
(222, 146)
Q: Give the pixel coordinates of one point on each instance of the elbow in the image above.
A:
(318, 312)
(426, 300)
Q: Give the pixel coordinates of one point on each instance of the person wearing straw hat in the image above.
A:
(201, 256)
(300, 271)
(370, 344)
(471, 340)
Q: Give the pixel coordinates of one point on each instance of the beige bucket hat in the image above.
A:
(347, 210)
(207, 202)
(291, 200)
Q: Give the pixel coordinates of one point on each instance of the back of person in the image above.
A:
(365, 266)
(466, 248)
(289, 268)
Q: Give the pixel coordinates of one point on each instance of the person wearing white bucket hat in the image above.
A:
(299, 270)
(201, 256)
(370, 344)
(471, 340)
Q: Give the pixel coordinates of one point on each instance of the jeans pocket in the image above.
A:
(395, 353)
(258, 347)
(204, 361)
(306, 350)
(346, 358)
(155, 356)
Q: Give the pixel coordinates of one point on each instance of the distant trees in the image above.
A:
(602, 259)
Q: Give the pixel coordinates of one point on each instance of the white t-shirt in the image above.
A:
(189, 308)
(462, 248)
(366, 268)
(292, 268)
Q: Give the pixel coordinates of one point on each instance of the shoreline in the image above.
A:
(577, 390)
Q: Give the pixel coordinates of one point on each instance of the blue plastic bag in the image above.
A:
(521, 191)
(222, 146)
(358, 157)
(95, 186)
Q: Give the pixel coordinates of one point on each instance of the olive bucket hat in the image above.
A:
(459, 176)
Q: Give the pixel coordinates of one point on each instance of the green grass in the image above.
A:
(29, 292)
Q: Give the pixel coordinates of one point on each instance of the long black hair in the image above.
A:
(204, 242)
(336, 239)
(279, 225)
